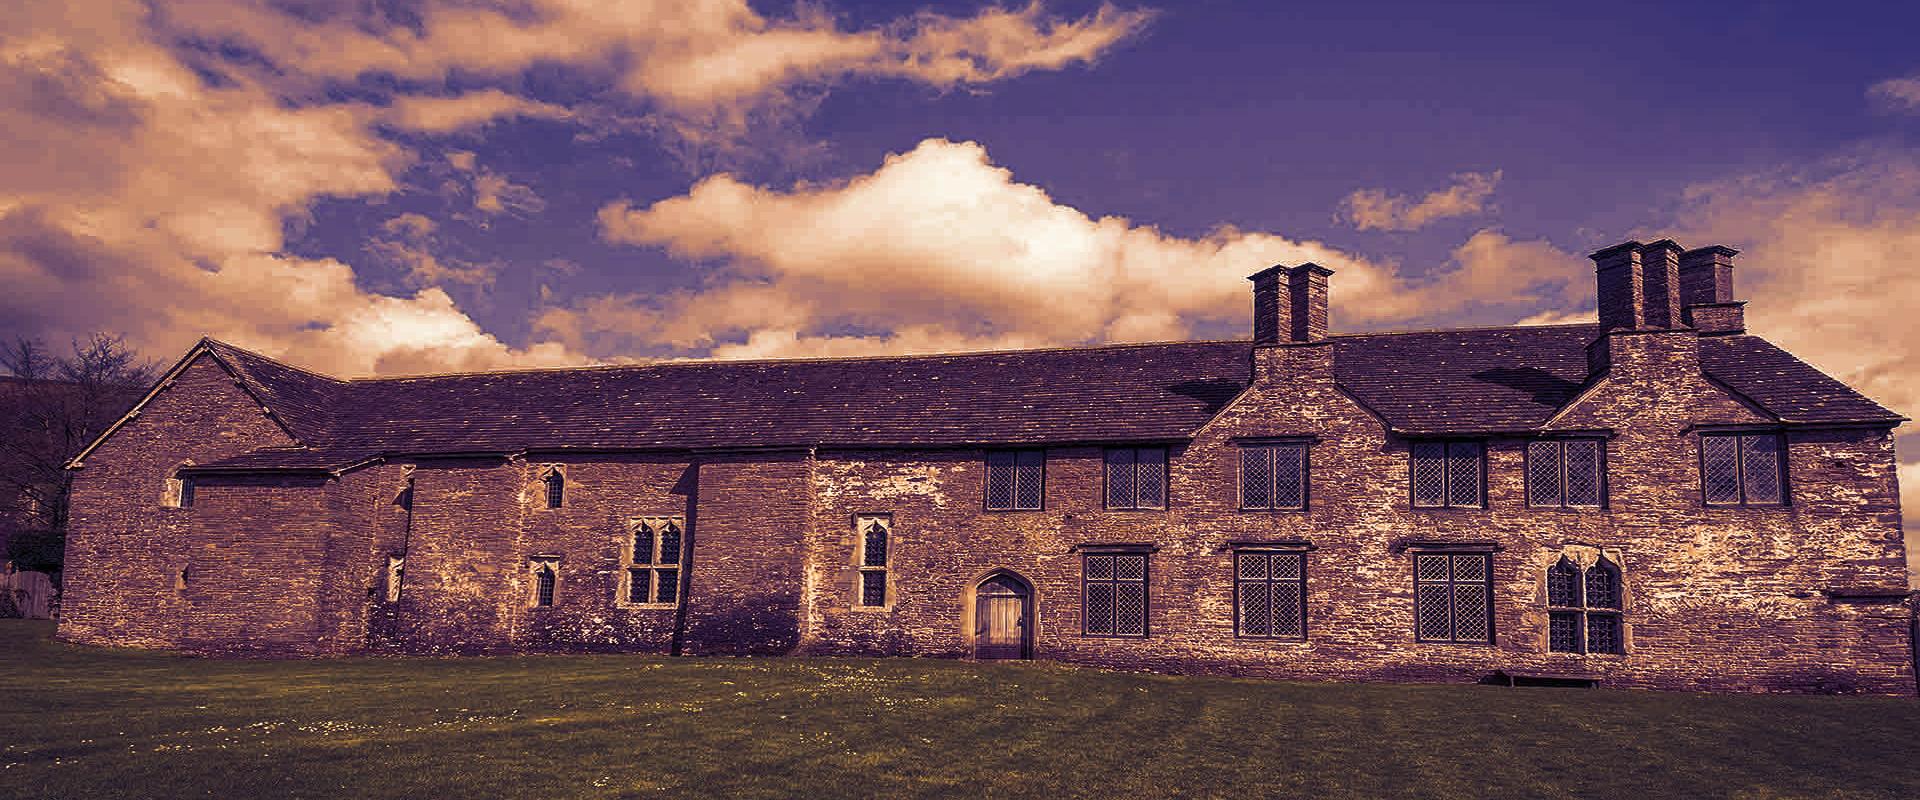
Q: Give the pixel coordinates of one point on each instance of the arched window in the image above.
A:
(546, 578)
(556, 487)
(874, 534)
(1584, 608)
(655, 558)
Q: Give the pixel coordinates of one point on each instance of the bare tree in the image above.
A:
(53, 407)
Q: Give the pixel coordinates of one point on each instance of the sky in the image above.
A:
(378, 188)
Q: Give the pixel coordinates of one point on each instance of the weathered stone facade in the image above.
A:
(1807, 595)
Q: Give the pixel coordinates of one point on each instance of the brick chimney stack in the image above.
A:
(1290, 304)
(1660, 276)
(1290, 346)
(1706, 291)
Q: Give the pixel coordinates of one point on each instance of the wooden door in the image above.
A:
(1000, 620)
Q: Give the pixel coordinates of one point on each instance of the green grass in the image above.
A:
(87, 722)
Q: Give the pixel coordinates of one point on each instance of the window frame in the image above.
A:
(1740, 467)
(986, 479)
(537, 565)
(1106, 490)
(653, 567)
(1584, 611)
(1146, 590)
(553, 487)
(1269, 550)
(1274, 445)
(1446, 474)
(1452, 615)
(1526, 467)
(862, 569)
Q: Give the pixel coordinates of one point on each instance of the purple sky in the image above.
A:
(406, 187)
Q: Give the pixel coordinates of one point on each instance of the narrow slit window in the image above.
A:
(396, 570)
(1136, 477)
(546, 582)
(876, 534)
(655, 555)
(1273, 476)
(556, 485)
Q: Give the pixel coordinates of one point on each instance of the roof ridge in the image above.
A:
(713, 362)
(271, 360)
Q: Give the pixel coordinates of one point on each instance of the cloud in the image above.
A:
(1827, 268)
(1897, 94)
(442, 115)
(409, 243)
(708, 61)
(1374, 209)
(940, 245)
(144, 199)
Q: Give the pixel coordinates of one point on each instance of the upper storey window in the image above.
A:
(1566, 473)
(556, 486)
(1136, 477)
(1448, 474)
(1742, 469)
(1273, 476)
(1016, 480)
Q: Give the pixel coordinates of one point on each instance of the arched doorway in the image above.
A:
(1002, 618)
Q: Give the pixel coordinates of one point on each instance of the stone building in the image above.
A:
(1658, 500)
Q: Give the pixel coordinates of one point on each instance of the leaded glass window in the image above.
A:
(1273, 476)
(1446, 474)
(1114, 594)
(1136, 477)
(1270, 594)
(655, 556)
(1742, 469)
(556, 484)
(875, 534)
(1016, 480)
(1583, 608)
(546, 581)
(1453, 597)
(1566, 473)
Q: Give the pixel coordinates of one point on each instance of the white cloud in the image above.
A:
(941, 242)
(1827, 268)
(442, 115)
(1897, 94)
(1375, 209)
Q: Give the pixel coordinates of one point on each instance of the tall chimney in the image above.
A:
(1660, 275)
(1621, 286)
(1706, 290)
(1290, 304)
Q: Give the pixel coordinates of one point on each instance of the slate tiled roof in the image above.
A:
(1480, 380)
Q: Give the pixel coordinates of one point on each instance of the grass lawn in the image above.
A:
(85, 722)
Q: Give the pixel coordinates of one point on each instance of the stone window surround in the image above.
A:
(1585, 557)
(553, 486)
(1526, 471)
(628, 565)
(1702, 433)
(1301, 548)
(1305, 443)
(535, 564)
(1166, 469)
(177, 491)
(395, 576)
(1447, 443)
(1015, 454)
(861, 569)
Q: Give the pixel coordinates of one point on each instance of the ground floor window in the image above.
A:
(655, 555)
(1583, 608)
(876, 533)
(1114, 593)
(1270, 594)
(1453, 597)
(546, 580)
